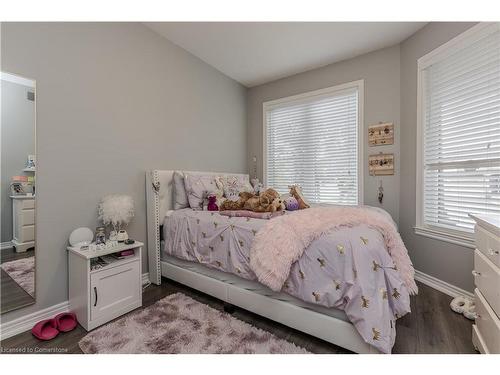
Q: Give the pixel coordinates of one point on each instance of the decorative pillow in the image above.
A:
(234, 185)
(180, 196)
(198, 186)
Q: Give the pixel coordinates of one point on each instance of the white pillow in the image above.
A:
(198, 186)
(180, 196)
(233, 185)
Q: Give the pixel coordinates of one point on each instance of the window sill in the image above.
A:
(446, 237)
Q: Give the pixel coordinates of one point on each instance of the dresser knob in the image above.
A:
(475, 273)
(493, 252)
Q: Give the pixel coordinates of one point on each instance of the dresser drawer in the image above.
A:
(477, 341)
(25, 233)
(488, 244)
(26, 217)
(27, 204)
(488, 325)
(487, 280)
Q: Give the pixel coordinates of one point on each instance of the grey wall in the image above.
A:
(114, 100)
(380, 71)
(390, 95)
(18, 141)
(448, 262)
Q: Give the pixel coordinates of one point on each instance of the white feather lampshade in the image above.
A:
(116, 210)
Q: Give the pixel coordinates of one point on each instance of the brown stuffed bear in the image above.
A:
(229, 205)
(267, 201)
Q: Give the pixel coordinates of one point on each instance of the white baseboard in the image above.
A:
(26, 322)
(6, 245)
(442, 286)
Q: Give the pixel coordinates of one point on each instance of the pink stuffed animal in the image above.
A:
(212, 206)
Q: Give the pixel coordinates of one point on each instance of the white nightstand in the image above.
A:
(98, 296)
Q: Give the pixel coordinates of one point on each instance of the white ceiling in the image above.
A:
(254, 53)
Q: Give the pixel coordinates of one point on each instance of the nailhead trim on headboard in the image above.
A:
(155, 179)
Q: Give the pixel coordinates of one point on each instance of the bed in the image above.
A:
(211, 253)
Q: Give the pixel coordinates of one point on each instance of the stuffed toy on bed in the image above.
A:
(216, 196)
(230, 205)
(291, 203)
(296, 192)
(268, 201)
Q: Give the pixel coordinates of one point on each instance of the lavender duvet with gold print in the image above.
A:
(348, 268)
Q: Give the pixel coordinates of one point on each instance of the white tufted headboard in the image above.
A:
(159, 199)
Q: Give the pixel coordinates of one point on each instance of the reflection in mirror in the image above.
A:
(18, 165)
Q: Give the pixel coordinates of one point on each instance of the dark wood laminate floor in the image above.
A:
(12, 295)
(431, 327)
(7, 255)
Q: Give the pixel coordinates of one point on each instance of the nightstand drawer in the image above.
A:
(114, 289)
(487, 324)
(488, 244)
(487, 280)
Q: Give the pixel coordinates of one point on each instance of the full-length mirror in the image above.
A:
(18, 191)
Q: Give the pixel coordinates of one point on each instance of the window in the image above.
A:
(459, 133)
(313, 140)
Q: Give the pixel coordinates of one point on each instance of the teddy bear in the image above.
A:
(229, 205)
(268, 201)
(219, 199)
(212, 203)
(278, 205)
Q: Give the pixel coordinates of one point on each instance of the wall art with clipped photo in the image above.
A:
(381, 164)
(381, 134)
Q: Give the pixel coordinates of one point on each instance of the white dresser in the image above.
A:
(486, 331)
(23, 222)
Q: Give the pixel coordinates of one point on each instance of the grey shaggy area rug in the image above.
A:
(22, 271)
(179, 324)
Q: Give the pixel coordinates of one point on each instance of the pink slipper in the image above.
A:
(66, 321)
(45, 329)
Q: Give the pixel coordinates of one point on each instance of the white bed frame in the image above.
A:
(234, 290)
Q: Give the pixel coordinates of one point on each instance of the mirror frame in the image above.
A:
(32, 81)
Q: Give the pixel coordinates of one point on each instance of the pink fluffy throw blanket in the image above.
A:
(283, 240)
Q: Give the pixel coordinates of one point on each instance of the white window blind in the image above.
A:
(461, 118)
(313, 141)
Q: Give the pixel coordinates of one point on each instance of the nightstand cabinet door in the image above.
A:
(114, 290)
